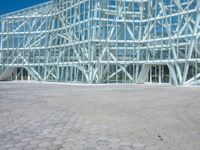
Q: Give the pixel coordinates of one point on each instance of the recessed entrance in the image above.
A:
(15, 73)
(159, 74)
(20, 74)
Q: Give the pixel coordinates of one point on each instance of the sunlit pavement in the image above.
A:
(82, 117)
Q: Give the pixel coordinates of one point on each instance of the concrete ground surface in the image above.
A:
(98, 117)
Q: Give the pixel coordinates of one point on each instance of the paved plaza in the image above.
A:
(47, 116)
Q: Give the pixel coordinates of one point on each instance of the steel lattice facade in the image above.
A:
(104, 41)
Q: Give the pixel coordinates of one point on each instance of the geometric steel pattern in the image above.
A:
(104, 41)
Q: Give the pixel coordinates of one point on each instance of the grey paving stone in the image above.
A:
(114, 145)
(91, 145)
(33, 118)
(21, 145)
(102, 147)
(7, 146)
(67, 145)
(55, 147)
(26, 140)
(30, 147)
(125, 143)
(42, 148)
(139, 146)
(35, 142)
(15, 148)
(44, 145)
(57, 142)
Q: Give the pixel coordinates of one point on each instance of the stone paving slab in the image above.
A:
(61, 117)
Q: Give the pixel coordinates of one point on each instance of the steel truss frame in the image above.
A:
(103, 41)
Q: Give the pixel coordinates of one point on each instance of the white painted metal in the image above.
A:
(103, 41)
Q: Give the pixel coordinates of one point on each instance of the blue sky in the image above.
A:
(7, 6)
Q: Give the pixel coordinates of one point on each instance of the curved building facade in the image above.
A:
(103, 41)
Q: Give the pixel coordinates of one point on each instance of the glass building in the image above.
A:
(103, 41)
